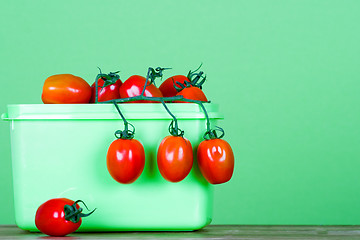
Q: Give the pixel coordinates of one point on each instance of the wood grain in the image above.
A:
(209, 232)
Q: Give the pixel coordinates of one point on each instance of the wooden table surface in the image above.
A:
(209, 232)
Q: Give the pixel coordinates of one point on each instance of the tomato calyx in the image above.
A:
(212, 134)
(196, 79)
(174, 130)
(126, 133)
(108, 79)
(73, 214)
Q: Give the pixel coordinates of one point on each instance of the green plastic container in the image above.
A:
(59, 150)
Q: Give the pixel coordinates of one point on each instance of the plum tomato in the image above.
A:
(215, 160)
(175, 158)
(125, 160)
(134, 85)
(66, 88)
(108, 92)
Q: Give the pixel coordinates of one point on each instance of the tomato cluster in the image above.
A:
(67, 88)
(215, 158)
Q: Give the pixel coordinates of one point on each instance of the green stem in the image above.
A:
(159, 99)
(209, 134)
(172, 115)
(208, 127)
(146, 82)
(174, 131)
(154, 99)
(126, 123)
(152, 74)
(126, 133)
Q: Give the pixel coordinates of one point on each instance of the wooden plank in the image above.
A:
(209, 232)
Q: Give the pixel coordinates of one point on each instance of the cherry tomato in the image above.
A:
(50, 218)
(175, 158)
(216, 160)
(125, 160)
(193, 93)
(66, 88)
(167, 87)
(106, 93)
(134, 85)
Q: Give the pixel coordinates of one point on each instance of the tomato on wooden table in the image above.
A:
(134, 86)
(125, 160)
(175, 158)
(59, 217)
(66, 88)
(215, 160)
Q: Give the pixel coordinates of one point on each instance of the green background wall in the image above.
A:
(285, 73)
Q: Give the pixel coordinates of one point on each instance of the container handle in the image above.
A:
(4, 116)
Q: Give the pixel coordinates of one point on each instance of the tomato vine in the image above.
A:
(214, 169)
(174, 130)
(126, 133)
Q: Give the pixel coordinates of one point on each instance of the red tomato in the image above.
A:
(66, 88)
(106, 93)
(125, 160)
(193, 93)
(216, 160)
(167, 87)
(175, 158)
(134, 85)
(50, 218)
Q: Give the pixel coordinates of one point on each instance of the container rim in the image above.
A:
(108, 111)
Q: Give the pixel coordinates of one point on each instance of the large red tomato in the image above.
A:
(66, 88)
(215, 160)
(167, 87)
(50, 218)
(109, 92)
(125, 160)
(175, 158)
(193, 93)
(134, 85)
